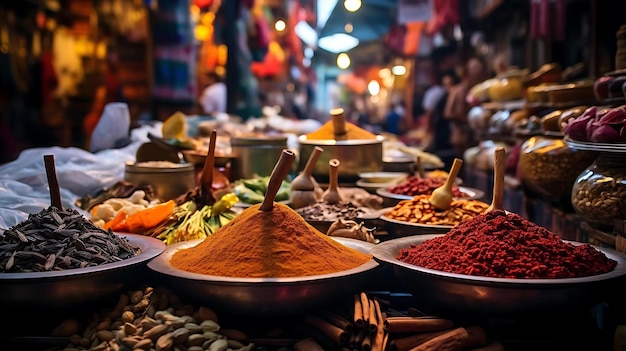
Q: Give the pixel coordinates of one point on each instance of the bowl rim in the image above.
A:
(472, 192)
(150, 248)
(383, 253)
(160, 264)
(409, 224)
(302, 139)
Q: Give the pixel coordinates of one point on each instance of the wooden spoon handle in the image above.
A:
(454, 171)
(206, 180)
(280, 171)
(339, 121)
(310, 163)
(497, 203)
(420, 167)
(53, 183)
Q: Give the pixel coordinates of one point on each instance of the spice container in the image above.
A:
(255, 156)
(549, 167)
(599, 193)
(167, 178)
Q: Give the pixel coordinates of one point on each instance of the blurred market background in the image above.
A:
(62, 60)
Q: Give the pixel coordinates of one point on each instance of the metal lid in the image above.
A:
(158, 167)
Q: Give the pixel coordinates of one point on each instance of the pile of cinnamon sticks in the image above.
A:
(368, 328)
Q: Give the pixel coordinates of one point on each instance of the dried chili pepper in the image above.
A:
(503, 245)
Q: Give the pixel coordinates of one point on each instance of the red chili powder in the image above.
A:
(503, 245)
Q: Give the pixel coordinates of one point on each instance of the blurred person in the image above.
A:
(214, 96)
(394, 118)
(456, 108)
(439, 126)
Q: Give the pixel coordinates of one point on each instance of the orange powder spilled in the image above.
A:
(268, 244)
(327, 132)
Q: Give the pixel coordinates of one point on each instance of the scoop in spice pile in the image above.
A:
(419, 210)
(501, 245)
(269, 240)
(200, 213)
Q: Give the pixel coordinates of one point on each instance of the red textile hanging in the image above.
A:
(445, 12)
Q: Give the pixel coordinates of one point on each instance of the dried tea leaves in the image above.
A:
(56, 240)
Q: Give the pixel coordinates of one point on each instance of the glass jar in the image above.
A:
(549, 167)
(599, 193)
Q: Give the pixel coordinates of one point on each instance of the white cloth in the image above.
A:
(213, 98)
(432, 96)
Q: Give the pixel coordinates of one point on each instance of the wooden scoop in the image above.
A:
(332, 195)
(339, 123)
(53, 183)
(420, 167)
(304, 180)
(279, 173)
(498, 181)
(206, 180)
(442, 196)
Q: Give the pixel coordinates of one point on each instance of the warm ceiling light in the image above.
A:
(343, 60)
(373, 87)
(384, 73)
(348, 28)
(398, 70)
(352, 5)
(280, 25)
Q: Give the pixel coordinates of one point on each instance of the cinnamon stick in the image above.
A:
(358, 340)
(333, 332)
(53, 183)
(408, 342)
(452, 340)
(339, 123)
(379, 339)
(276, 178)
(366, 344)
(373, 320)
(365, 304)
(337, 320)
(416, 324)
(206, 179)
(358, 319)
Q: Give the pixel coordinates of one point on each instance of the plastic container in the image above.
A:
(599, 193)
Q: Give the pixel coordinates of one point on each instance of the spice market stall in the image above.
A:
(281, 284)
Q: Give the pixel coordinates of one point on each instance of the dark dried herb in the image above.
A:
(55, 239)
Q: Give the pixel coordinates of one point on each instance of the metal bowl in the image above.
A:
(356, 156)
(80, 286)
(472, 194)
(265, 296)
(498, 296)
(399, 228)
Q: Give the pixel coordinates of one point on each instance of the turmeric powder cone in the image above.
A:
(268, 244)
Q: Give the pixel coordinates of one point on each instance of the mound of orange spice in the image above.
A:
(268, 244)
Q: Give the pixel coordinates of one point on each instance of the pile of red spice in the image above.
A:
(497, 244)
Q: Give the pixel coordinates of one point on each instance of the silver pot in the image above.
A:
(255, 156)
(356, 156)
(168, 179)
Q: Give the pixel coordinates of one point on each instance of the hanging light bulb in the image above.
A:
(280, 25)
(343, 60)
(352, 5)
(373, 87)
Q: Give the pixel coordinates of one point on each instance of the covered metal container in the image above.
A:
(167, 178)
(255, 156)
(356, 156)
